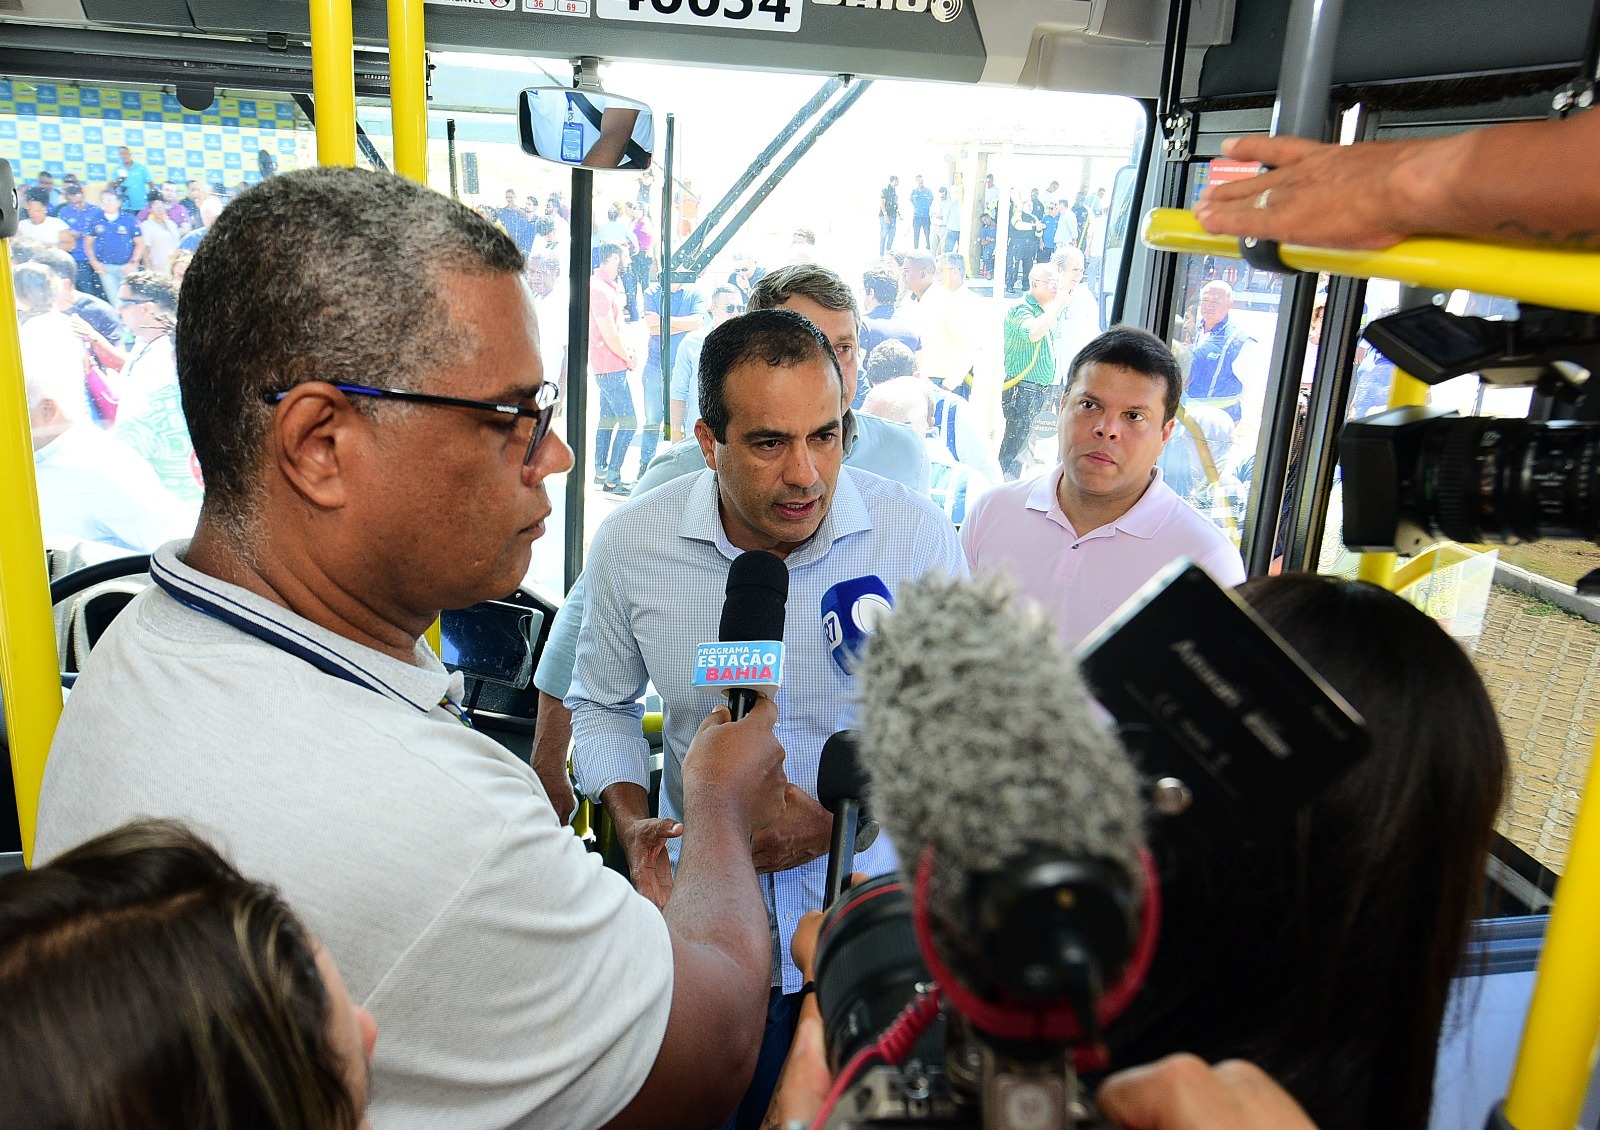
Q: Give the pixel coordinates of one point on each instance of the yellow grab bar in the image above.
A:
(1566, 279)
(333, 81)
(30, 674)
(408, 89)
(1558, 1044)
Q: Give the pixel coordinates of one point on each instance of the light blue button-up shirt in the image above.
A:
(882, 447)
(658, 569)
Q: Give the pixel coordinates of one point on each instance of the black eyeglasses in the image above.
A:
(732, 308)
(542, 413)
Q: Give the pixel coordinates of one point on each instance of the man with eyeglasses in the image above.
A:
(359, 361)
(726, 302)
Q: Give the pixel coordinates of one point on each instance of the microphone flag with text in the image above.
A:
(747, 659)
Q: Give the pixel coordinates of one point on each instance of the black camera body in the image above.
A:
(1053, 927)
(1415, 476)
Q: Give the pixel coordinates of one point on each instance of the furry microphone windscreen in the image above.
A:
(979, 737)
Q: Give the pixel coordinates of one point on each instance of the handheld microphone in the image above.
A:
(841, 786)
(747, 660)
(1033, 901)
(852, 611)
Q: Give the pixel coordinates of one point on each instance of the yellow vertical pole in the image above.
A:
(1404, 391)
(408, 89)
(1558, 1045)
(408, 111)
(30, 676)
(333, 81)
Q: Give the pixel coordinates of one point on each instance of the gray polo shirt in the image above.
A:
(515, 981)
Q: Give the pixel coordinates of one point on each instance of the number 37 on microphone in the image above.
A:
(747, 15)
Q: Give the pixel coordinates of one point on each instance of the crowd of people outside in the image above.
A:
(989, 368)
(97, 298)
(1039, 221)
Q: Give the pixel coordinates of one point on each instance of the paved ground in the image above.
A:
(1543, 671)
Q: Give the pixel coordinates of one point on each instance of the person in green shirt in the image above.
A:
(1030, 362)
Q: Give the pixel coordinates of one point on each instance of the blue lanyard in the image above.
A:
(284, 643)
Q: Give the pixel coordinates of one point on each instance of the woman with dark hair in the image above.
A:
(1322, 949)
(145, 983)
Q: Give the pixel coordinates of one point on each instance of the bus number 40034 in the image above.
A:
(735, 10)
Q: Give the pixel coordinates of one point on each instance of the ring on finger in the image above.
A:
(1263, 198)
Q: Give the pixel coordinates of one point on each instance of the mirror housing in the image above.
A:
(586, 129)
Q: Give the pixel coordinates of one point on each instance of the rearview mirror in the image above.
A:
(586, 128)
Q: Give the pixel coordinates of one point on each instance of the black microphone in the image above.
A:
(758, 590)
(841, 787)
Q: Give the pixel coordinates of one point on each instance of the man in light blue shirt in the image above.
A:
(773, 433)
(135, 180)
(882, 447)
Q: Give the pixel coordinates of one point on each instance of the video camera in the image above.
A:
(1227, 727)
(1413, 476)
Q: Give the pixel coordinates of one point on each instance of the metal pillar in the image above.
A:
(665, 243)
(578, 272)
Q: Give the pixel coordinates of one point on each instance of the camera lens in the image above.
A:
(1482, 479)
(868, 969)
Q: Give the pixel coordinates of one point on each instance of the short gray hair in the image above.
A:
(328, 274)
(807, 280)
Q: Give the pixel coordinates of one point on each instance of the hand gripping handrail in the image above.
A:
(1568, 280)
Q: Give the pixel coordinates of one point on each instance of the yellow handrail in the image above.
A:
(408, 89)
(1566, 279)
(1558, 1044)
(30, 677)
(333, 81)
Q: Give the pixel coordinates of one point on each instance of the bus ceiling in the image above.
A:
(1103, 46)
(1098, 46)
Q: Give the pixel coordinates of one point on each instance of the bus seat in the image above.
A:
(83, 619)
(499, 707)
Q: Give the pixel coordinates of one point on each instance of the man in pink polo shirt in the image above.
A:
(1082, 538)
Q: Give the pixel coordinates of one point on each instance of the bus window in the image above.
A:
(1536, 657)
(1224, 323)
(947, 156)
(119, 184)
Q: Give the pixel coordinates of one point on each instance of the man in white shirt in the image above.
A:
(91, 487)
(273, 690)
(550, 307)
(1079, 323)
(161, 236)
(40, 226)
